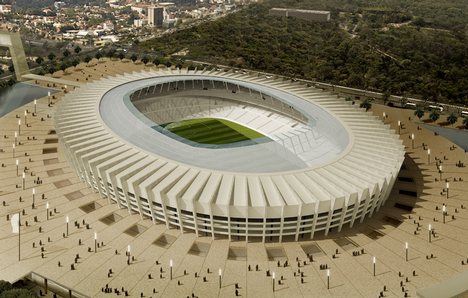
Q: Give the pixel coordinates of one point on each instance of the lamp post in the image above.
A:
(48, 98)
(95, 242)
(35, 106)
(17, 167)
(19, 126)
(47, 210)
(24, 177)
(273, 281)
(428, 156)
(444, 212)
(373, 264)
(33, 198)
(447, 187)
(219, 274)
(440, 172)
(170, 267)
(128, 254)
(14, 149)
(384, 116)
(25, 118)
(399, 127)
(412, 141)
(16, 138)
(328, 279)
(430, 233)
(67, 219)
(406, 251)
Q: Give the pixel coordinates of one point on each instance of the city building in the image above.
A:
(156, 16)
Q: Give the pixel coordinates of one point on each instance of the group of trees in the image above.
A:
(7, 290)
(53, 64)
(427, 63)
(434, 115)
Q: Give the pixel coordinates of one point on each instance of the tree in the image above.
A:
(419, 113)
(77, 49)
(110, 53)
(66, 53)
(134, 57)
(434, 116)
(39, 60)
(452, 119)
(98, 55)
(75, 62)
(87, 59)
(366, 105)
(11, 68)
(156, 61)
(51, 56)
(145, 59)
(465, 122)
(51, 69)
(63, 66)
(121, 56)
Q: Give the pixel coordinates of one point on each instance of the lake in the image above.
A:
(15, 96)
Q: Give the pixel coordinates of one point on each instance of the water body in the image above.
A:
(15, 96)
(457, 136)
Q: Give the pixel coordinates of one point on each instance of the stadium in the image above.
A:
(229, 154)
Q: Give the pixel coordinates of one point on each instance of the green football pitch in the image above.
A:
(212, 131)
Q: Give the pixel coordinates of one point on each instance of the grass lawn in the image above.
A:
(212, 131)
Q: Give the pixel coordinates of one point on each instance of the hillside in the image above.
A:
(417, 49)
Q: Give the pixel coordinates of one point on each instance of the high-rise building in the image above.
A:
(156, 16)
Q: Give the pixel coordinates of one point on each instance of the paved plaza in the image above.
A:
(416, 201)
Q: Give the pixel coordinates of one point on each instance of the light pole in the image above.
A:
(16, 138)
(128, 254)
(25, 118)
(35, 106)
(399, 127)
(373, 263)
(67, 219)
(219, 274)
(444, 212)
(328, 279)
(440, 172)
(14, 149)
(47, 210)
(19, 126)
(24, 177)
(273, 280)
(447, 186)
(170, 267)
(34, 198)
(48, 98)
(430, 233)
(95, 242)
(428, 156)
(406, 251)
(412, 141)
(384, 116)
(17, 167)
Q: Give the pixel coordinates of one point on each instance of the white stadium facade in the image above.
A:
(323, 164)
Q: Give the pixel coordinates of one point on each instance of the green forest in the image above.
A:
(410, 48)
